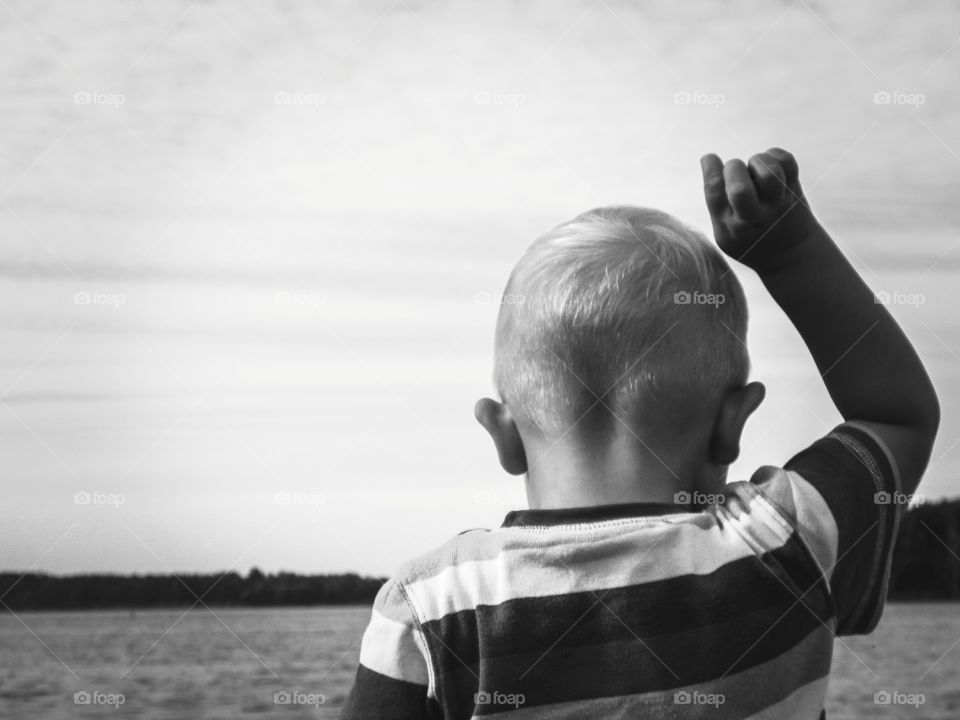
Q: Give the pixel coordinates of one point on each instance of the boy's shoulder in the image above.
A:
(468, 546)
(768, 494)
(459, 563)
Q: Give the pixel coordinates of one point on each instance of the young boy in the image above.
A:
(639, 583)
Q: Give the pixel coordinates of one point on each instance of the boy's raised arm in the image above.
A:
(761, 218)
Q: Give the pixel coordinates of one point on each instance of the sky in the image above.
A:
(252, 251)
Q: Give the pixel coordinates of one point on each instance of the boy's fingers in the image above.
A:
(768, 177)
(789, 164)
(713, 186)
(740, 190)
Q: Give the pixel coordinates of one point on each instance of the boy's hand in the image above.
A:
(758, 210)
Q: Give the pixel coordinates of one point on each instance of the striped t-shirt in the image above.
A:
(645, 610)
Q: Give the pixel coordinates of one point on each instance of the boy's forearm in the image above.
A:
(869, 367)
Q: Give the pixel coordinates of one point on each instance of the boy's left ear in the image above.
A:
(736, 406)
(498, 421)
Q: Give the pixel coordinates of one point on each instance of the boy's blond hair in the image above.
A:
(625, 304)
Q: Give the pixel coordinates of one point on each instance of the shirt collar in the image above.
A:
(596, 513)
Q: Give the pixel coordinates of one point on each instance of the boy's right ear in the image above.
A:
(736, 406)
(498, 421)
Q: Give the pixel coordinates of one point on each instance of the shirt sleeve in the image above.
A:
(843, 496)
(393, 676)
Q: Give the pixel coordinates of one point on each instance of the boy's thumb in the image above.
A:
(714, 188)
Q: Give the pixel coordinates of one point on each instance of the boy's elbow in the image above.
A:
(911, 437)
(925, 413)
(931, 420)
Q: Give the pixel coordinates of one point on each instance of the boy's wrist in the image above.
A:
(803, 250)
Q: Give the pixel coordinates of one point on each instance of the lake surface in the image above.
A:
(230, 663)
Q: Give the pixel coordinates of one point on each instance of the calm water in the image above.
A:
(200, 665)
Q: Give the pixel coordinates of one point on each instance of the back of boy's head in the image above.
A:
(624, 304)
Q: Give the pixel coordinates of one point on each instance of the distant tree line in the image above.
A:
(37, 591)
(926, 566)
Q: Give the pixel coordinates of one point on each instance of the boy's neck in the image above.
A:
(575, 474)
